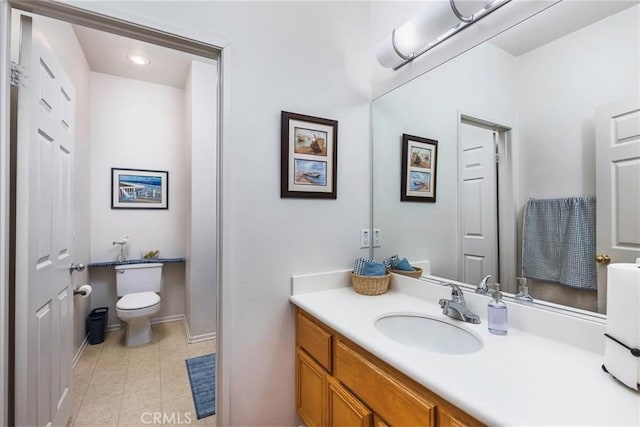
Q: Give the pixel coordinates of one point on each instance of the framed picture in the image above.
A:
(418, 176)
(139, 189)
(309, 149)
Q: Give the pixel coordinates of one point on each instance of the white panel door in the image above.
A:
(44, 309)
(617, 187)
(479, 203)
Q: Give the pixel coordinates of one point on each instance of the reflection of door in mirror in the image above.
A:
(545, 78)
(486, 220)
(617, 187)
(478, 203)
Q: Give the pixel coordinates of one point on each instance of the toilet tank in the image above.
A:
(132, 278)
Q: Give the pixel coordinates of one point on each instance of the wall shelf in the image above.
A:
(135, 261)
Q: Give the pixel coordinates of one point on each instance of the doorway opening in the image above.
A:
(70, 16)
(487, 244)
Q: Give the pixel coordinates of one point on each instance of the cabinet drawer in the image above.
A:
(384, 394)
(314, 339)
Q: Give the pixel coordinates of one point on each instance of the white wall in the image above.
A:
(64, 43)
(428, 107)
(137, 125)
(559, 87)
(201, 269)
(306, 57)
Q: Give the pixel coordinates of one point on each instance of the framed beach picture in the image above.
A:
(309, 150)
(418, 170)
(139, 189)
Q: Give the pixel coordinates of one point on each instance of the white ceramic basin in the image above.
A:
(427, 333)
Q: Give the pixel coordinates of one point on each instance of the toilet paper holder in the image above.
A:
(82, 290)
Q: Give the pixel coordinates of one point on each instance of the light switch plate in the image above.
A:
(377, 238)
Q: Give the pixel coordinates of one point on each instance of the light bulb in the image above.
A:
(138, 59)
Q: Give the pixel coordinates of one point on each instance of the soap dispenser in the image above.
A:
(497, 313)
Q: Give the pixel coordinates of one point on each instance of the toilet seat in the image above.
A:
(137, 301)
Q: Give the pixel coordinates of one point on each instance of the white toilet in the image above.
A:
(139, 286)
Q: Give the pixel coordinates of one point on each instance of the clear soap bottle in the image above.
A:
(523, 290)
(497, 313)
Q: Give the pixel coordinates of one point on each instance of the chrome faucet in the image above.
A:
(483, 287)
(122, 242)
(456, 307)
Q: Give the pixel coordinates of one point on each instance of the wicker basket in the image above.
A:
(415, 274)
(371, 285)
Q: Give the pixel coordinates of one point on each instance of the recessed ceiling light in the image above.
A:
(138, 59)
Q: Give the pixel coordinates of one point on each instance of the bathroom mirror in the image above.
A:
(528, 98)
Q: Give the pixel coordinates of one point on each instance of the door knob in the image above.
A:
(603, 259)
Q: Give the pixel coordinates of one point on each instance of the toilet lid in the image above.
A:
(138, 300)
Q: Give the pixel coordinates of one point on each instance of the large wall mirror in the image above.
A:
(523, 122)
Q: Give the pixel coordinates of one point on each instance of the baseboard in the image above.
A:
(80, 351)
(114, 327)
(167, 319)
(154, 321)
(199, 338)
(191, 339)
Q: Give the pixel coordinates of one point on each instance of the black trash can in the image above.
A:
(97, 325)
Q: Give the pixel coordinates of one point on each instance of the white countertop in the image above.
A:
(517, 379)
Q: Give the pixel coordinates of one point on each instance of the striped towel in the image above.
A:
(559, 241)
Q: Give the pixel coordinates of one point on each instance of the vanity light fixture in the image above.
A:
(407, 42)
(138, 59)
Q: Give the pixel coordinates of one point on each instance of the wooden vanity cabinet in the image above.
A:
(339, 383)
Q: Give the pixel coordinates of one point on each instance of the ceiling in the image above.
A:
(555, 22)
(107, 53)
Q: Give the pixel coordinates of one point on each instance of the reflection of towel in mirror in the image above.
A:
(558, 243)
(404, 265)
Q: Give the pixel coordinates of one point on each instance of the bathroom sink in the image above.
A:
(427, 333)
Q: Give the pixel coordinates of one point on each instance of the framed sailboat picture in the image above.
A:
(139, 189)
(309, 157)
(418, 169)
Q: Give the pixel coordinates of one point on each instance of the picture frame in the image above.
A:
(139, 189)
(419, 169)
(309, 157)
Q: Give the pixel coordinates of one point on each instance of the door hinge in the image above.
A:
(498, 158)
(19, 77)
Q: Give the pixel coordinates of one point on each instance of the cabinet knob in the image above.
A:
(603, 259)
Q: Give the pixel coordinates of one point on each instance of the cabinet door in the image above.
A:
(311, 390)
(453, 419)
(379, 422)
(344, 408)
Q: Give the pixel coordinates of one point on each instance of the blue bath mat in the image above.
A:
(202, 376)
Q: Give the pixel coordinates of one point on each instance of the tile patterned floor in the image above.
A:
(141, 386)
